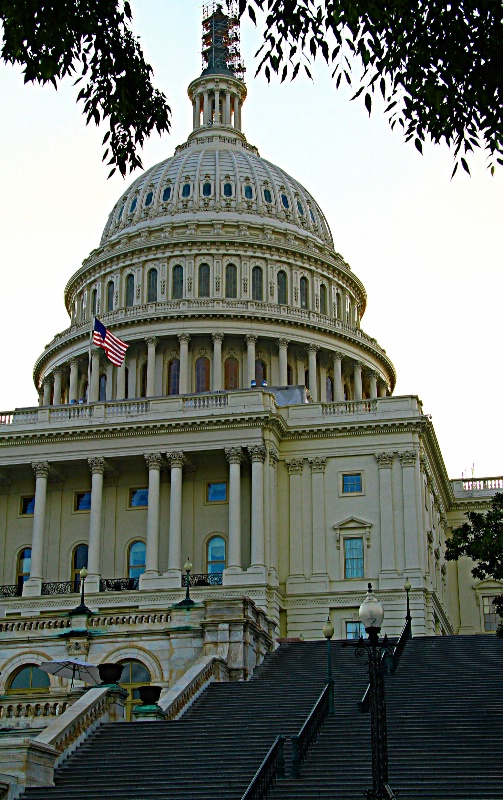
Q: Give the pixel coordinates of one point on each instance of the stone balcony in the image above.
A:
(471, 488)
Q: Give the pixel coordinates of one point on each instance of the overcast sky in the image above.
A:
(427, 249)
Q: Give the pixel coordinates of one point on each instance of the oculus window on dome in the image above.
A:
(216, 492)
(138, 498)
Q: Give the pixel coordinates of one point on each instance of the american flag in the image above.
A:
(114, 348)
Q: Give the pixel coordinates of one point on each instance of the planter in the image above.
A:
(149, 695)
(110, 673)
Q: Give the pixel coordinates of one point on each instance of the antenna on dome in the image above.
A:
(221, 38)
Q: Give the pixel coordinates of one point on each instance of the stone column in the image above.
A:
(322, 364)
(381, 388)
(295, 467)
(373, 384)
(387, 538)
(234, 457)
(257, 455)
(176, 460)
(33, 586)
(250, 340)
(109, 392)
(357, 377)
(184, 339)
(159, 369)
(206, 108)
(47, 383)
(97, 467)
(408, 461)
(58, 375)
(313, 373)
(152, 342)
(217, 361)
(217, 106)
(74, 380)
(338, 387)
(120, 393)
(283, 361)
(154, 463)
(227, 119)
(94, 389)
(236, 111)
(273, 514)
(195, 115)
(131, 365)
(318, 494)
(344, 307)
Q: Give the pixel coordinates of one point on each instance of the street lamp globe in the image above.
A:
(188, 565)
(371, 612)
(328, 629)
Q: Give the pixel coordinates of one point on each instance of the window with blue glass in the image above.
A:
(248, 192)
(82, 501)
(285, 201)
(23, 567)
(138, 498)
(166, 194)
(304, 293)
(186, 190)
(79, 560)
(299, 208)
(133, 205)
(267, 196)
(149, 198)
(216, 492)
(102, 389)
(353, 557)
(174, 376)
(354, 630)
(28, 504)
(352, 483)
(121, 212)
(227, 189)
(136, 559)
(216, 555)
(206, 189)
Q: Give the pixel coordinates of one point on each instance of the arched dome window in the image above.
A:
(143, 380)
(29, 678)
(267, 196)
(110, 295)
(231, 281)
(129, 290)
(177, 289)
(227, 189)
(121, 212)
(231, 376)
(23, 566)
(103, 389)
(174, 376)
(282, 288)
(304, 293)
(137, 552)
(323, 299)
(204, 280)
(133, 205)
(134, 674)
(299, 208)
(312, 216)
(79, 560)
(260, 372)
(126, 381)
(215, 555)
(257, 283)
(248, 192)
(94, 301)
(202, 374)
(152, 286)
(285, 201)
(149, 198)
(338, 306)
(330, 389)
(289, 375)
(206, 189)
(166, 194)
(186, 190)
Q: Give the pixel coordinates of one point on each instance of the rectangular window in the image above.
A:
(82, 501)
(352, 484)
(216, 492)
(353, 558)
(27, 505)
(354, 630)
(138, 498)
(491, 618)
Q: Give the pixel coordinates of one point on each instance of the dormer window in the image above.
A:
(206, 189)
(166, 194)
(133, 205)
(248, 192)
(186, 190)
(267, 196)
(227, 189)
(149, 198)
(285, 201)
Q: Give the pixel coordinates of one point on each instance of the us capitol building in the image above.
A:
(252, 427)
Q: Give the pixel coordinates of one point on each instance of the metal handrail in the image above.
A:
(302, 741)
(272, 767)
(13, 590)
(391, 665)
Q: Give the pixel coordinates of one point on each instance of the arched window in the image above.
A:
(177, 292)
(231, 281)
(330, 389)
(257, 283)
(260, 372)
(204, 280)
(285, 201)
(215, 555)
(94, 301)
(174, 376)
(103, 389)
(110, 295)
(267, 196)
(134, 674)
(133, 205)
(231, 377)
(202, 374)
(149, 198)
(79, 560)
(137, 552)
(304, 293)
(186, 190)
(227, 189)
(323, 299)
(129, 290)
(289, 375)
(166, 194)
(338, 306)
(23, 567)
(29, 678)
(152, 286)
(248, 192)
(206, 189)
(143, 380)
(282, 289)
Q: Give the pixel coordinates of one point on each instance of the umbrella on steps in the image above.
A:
(74, 669)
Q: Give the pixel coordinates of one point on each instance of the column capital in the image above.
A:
(251, 338)
(408, 459)
(41, 469)
(217, 337)
(176, 458)
(153, 460)
(318, 463)
(57, 371)
(234, 455)
(372, 373)
(313, 348)
(96, 465)
(184, 337)
(273, 455)
(74, 361)
(152, 341)
(283, 343)
(295, 465)
(358, 365)
(47, 380)
(384, 460)
(257, 452)
(337, 355)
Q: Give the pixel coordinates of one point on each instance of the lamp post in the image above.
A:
(187, 601)
(407, 586)
(371, 615)
(82, 608)
(328, 632)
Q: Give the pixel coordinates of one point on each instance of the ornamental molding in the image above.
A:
(318, 463)
(77, 647)
(234, 455)
(352, 525)
(385, 460)
(153, 461)
(96, 465)
(257, 453)
(273, 455)
(408, 458)
(295, 465)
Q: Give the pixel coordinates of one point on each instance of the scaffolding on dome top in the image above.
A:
(221, 37)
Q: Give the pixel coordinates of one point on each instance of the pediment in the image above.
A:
(352, 522)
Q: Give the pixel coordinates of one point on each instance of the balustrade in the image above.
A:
(28, 713)
(481, 484)
(350, 407)
(203, 401)
(60, 587)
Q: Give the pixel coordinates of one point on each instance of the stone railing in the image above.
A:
(74, 411)
(126, 408)
(105, 621)
(204, 401)
(350, 407)
(36, 624)
(29, 713)
(482, 484)
(186, 690)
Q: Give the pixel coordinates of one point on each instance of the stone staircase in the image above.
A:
(445, 732)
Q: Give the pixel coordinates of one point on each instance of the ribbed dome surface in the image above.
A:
(217, 174)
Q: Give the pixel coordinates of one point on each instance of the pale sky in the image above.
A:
(427, 249)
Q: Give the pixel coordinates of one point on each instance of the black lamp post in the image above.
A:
(328, 632)
(82, 608)
(371, 615)
(187, 601)
(407, 586)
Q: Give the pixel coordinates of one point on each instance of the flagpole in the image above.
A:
(89, 364)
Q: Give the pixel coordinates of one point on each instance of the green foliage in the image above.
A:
(92, 39)
(481, 539)
(438, 65)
